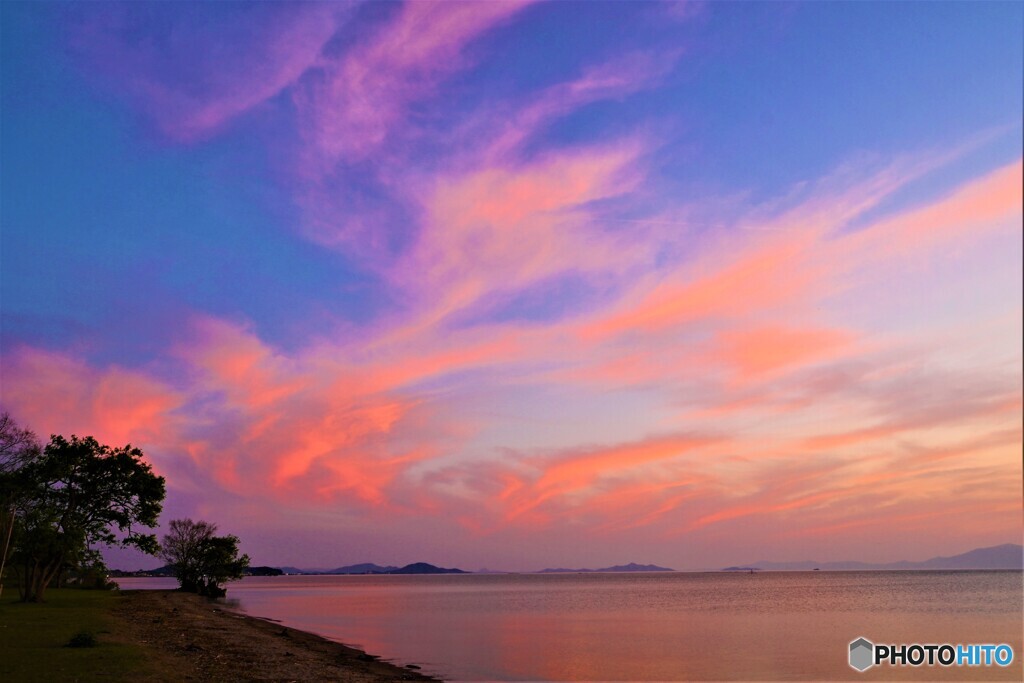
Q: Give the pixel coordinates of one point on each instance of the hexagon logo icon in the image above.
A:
(862, 653)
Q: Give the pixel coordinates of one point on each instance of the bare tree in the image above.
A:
(18, 447)
(201, 561)
(182, 546)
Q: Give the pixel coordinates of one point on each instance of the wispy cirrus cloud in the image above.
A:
(486, 156)
(502, 228)
(613, 80)
(348, 110)
(375, 425)
(194, 71)
(555, 356)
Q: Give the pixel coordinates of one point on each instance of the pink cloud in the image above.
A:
(854, 495)
(593, 485)
(352, 109)
(755, 353)
(504, 227)
(198, 70)
(575, 472)
(999, 402)
(57, 393)
(616, 79)
(990, 203)
(766, 276)
(385, 424)
(734, 341)
(363, 99)
(232, 360)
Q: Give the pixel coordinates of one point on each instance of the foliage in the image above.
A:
(202, 562)
(78, 493)
(91, 572)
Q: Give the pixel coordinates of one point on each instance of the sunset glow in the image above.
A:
(516, 284)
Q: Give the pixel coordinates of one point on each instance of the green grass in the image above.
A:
(33, 639)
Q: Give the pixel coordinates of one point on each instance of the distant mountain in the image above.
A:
(165, 570)
(363, 568)
(424, 568)
(263, 571)
(1006, 556)
(371, 568)
(168, 570)
(631, 567)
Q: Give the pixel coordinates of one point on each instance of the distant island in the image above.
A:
(631, 567)
(371, 568)
(168, 571)
(1006, 556)
(425, 568)
(364, 568)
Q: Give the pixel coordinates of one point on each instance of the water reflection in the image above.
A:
(768, 626)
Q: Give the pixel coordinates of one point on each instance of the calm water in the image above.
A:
(630, 627)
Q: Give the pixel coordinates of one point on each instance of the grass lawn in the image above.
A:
(33, 639)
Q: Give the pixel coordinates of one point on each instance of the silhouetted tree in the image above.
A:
(74, 495)
(18, 447)
(202, 562)
(182, 547)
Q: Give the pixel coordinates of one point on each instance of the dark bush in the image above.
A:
(82, 639)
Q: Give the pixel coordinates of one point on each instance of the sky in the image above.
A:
(527, 284)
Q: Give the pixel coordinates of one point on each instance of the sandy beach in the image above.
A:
(200, 640)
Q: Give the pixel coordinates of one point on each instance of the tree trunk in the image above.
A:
(32, 581)
(23, 584)
(28, 591)
(9, 530)
(38, 577)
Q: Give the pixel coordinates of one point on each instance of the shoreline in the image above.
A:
(198, 639)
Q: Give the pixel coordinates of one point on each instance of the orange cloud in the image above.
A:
(881, 251)
(500, 228)
(766, 350)
(574, 472)
(734, 351)
(586, 483)
(61, 394)
(771, 275)
(235, 361)
(986, 204)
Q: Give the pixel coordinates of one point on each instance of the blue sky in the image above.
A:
(523, 270)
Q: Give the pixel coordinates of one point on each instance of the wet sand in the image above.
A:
(192, 639)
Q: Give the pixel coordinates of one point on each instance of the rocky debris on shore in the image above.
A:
(198, 640)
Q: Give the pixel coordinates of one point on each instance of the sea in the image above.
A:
(658, 626)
